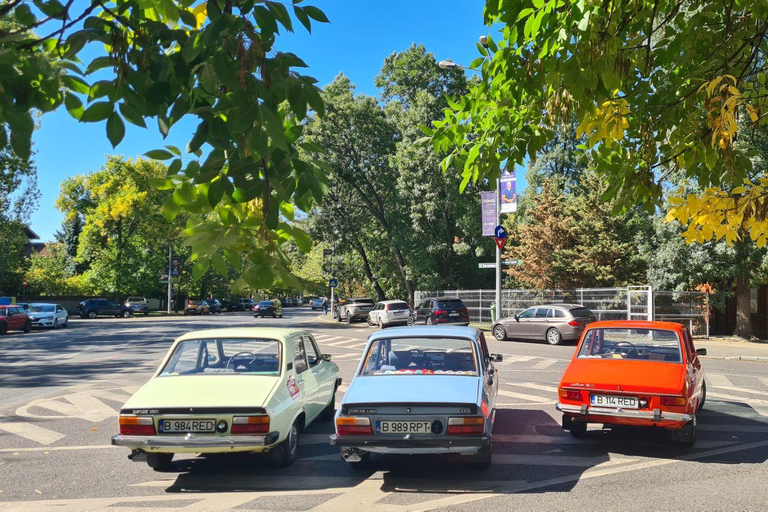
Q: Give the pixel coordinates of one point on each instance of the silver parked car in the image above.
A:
(554, 323)
(389, 312)
(48, 315)
(420, 390)
(354, 309)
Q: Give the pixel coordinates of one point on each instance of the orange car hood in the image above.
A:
(622, 375)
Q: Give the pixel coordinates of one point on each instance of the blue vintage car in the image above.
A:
(420, 390)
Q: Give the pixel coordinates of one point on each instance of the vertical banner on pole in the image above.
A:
(488, 203)
(508, 185)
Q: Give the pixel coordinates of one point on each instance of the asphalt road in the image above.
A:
(60, 392)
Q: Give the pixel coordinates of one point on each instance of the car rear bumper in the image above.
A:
(196, 444)
(451, 320)
(653, 416)
(413, 444)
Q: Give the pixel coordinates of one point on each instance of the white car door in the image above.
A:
(323, 371)
(306, 381)
(61, 314)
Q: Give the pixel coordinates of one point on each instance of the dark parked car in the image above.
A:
(92, 308)
(14, 318)
(268, 308)
(231, 305)
(248, 304)
(214, 305)
(440, 310)
(137, 305)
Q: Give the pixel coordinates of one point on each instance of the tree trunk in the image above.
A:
(367, 267)
(743, 309)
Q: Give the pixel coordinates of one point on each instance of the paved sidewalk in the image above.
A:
(728, 347)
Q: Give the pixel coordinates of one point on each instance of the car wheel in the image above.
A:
(554, 337)
(578, 429)
(3, 328)
(686, 436)
(349, 318)
(484, 459)
(27, 326)
(274, 315)
(338, 316)
(381, 323)
(288, 449)
(91, 315)
(499, 333)
(146, 314)
(66, 322)
(330, 410)
(429, 320)
(703, 396)
(56, 323)
(126, 314)
(159, 461)
(411, 320)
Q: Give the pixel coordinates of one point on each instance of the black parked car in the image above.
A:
(268, 308)
(92, 308)
(440, 310)
(231, 305)
(248, 304)
(214, 304)
(137, 305)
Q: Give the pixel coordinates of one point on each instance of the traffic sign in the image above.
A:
(503, 262)
(24, 283)
(500, 242)
(500, 232)
(486, 265)
(333, 283)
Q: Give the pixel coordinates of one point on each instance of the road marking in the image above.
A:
(718, 380)
(81, 405)
(30, 431)
(59, 448)
(522, 396)
(532, 385)
(509, 359)
(343, 388)
(347, 356)
(546, 363)
(343, 342)
(739, 399)
(558, 460)
(742, 390)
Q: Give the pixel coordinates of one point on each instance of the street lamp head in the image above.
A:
(484, 41)
(447, 64)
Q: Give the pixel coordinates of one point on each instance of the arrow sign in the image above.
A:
(500, 232)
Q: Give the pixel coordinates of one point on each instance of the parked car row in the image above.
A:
(416, 390)
(23, 316)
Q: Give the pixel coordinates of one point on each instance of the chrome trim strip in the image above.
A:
(193, 441)
(622, 413)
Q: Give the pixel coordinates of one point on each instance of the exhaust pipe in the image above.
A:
(350, 455)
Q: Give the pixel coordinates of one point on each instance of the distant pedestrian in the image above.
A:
(325, 307)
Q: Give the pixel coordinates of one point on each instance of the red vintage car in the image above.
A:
(14, 318)
(632, 373)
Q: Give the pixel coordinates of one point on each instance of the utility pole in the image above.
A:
(498, 252)
(170, 272)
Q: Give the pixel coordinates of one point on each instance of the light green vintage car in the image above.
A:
(230, 390)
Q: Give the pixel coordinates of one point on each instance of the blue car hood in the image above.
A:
(414, 389)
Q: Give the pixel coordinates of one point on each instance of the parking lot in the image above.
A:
(61, 391)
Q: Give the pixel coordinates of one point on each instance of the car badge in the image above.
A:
(619, 388)
(407, 409)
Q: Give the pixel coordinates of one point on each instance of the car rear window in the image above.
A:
(398, 306)
(420, 356)
(581, 312)
(266, 303)
(635, 344)
(224, 356)
(361, 301)
(450, 303)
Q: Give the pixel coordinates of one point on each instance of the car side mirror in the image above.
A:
(497, 358)
(701, 351)
(517, 318)
(11, 313)
(325, 357)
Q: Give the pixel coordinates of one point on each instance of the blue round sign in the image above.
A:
(500, 232)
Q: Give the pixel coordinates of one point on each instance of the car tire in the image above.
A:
(703, 396)
(411, 320)
(499, 332)
(159, 461)
(146, 314)
(274, 315)
(554, 337)
(27, 326)
(126, 314)
(428, 321)
(484, 458)
(349, 318)
(288, 449)
(66, 323)
(686, 436)
(56, 323)
(3, 328)
(330, 410)
(578, 429)
(91, 315)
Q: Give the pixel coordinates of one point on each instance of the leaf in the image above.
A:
(97, 111)
(200, 267)
(74, 106)
(115, 129)
(170, 209)
(199, 138)
(76, 84)
(159, 154)
(316, 14)
(132, 115)
(216, 191)
(220, 264)
(162, 184)
(303, 18)
(281, 14)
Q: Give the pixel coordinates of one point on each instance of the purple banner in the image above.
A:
(488, 202)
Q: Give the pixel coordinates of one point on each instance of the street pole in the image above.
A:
(170, 267)
(498, 253)
(332, 275)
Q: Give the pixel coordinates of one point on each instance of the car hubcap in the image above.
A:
(553, 337)
(499, 332)
(293, 441)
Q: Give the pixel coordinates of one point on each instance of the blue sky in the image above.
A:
(359, 37)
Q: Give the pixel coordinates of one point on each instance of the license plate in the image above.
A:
(197, 426)
(403, 427)
(625, 402)
(453, 314)
(399, 313)
(365, 308)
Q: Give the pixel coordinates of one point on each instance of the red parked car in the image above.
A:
(643, 374)
(14, 318)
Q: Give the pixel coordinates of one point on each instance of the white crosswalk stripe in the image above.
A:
(718, 380)
(546, 363)
(509, 359)
(531, 385)
(342, 342)
(523, 396)
(30, 431)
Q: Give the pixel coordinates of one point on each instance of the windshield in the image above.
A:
(224, 356)
(265, 303)
(420, 356)
(635, 344)
(39, 308)
(135, 299)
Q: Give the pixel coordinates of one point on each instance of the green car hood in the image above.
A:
(204, 391)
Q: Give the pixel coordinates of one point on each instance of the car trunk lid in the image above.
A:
(413, 389)
(625, 376)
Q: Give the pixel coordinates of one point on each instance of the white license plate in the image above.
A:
(453, 314)
(625, 402)
(403, 427)
(399, 313)
(172, 426)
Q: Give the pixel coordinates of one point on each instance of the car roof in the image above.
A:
(392, 301)
(426, 331)
(637, 324)
(444, 297)
(278, 333)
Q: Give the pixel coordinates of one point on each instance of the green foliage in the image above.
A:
(212, 60)
(51, 273)
(655, 86)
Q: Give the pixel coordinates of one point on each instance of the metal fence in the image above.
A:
(632, 302)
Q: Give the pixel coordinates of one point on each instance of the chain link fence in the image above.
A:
(632, 302)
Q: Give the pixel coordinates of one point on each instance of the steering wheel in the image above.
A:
(632, 348)
(240, 353)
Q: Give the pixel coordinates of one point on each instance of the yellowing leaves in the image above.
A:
(722, 104)
(201, 14)
(719, 214)
(607, 123)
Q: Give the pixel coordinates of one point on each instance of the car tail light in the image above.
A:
(464, 311)
(439, 312)
(352, 426)
(570, 394)
(250, 425)
(575, 323)
(677, 401)
(471, 425)
(386, 308)
(137, 426)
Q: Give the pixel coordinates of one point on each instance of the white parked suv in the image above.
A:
(389, 312)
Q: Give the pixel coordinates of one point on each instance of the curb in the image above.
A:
(760, 359)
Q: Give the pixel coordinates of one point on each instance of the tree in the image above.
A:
(215, 60)
(49, 274)
(656, 86)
